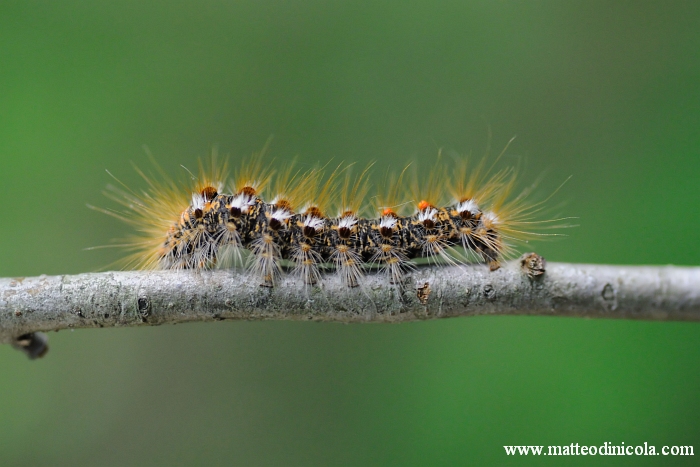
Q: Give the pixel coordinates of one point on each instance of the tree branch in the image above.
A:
(136, 298)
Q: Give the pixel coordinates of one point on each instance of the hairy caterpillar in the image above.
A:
(310, 221)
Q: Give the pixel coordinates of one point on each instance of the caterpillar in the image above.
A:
(310, 222)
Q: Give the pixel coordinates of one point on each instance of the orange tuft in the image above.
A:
(314, 211)
(209, 193)
(248, 190)
(284, 204)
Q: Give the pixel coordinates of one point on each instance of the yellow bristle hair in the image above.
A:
(389, 199)
(477, 181)
(152, 212)
(322, 192)
(427, 191)
(255, 172)
(353, 192)
(292, 188)
(518, 218)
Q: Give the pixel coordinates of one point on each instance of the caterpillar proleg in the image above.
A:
(308, 222)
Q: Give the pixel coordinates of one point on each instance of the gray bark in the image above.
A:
(137, 298)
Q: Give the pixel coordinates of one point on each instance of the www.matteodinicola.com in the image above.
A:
(606, 449)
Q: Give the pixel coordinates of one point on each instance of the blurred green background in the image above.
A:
(605, 91)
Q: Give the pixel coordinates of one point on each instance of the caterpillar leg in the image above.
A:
(265, 259)
(348, 264)
(306, 263)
